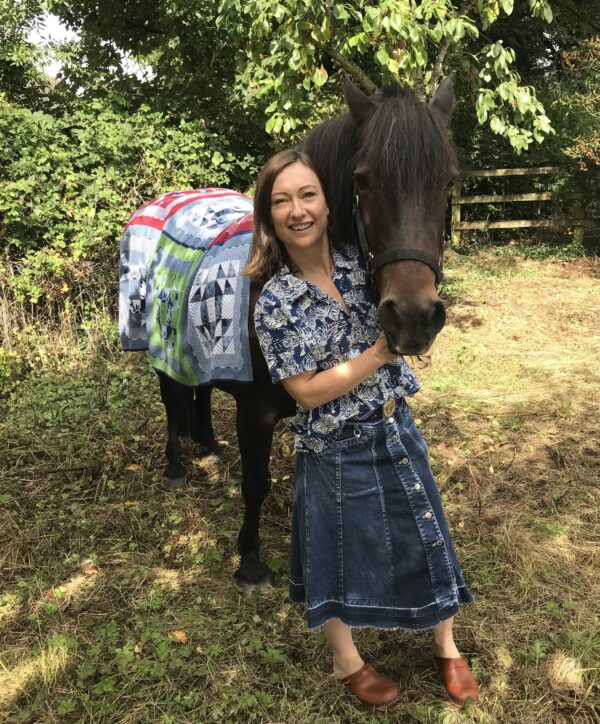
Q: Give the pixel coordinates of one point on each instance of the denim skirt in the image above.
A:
(370, 542)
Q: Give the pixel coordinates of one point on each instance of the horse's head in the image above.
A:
(403, 170)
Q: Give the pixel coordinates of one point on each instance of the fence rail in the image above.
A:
(576, 221)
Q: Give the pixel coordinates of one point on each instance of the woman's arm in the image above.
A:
(312, 389)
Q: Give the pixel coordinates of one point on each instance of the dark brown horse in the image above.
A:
(388, 163)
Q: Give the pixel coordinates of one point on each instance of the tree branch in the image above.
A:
(419, 85)
(350, 67)
(345, 63)
(436, 72)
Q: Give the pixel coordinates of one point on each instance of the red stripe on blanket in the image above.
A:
(245, 223)
(166, 199)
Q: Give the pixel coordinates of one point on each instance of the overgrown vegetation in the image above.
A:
(118, 602)
(70, 182)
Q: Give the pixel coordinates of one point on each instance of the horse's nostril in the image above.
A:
(389, 314)
(436, 317)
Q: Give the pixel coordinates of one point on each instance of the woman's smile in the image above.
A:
(298, 208)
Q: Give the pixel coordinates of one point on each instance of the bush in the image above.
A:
(68, 184)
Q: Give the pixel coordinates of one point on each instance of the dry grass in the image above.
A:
(101, 565)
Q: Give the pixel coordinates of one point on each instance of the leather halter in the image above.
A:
(374, 261)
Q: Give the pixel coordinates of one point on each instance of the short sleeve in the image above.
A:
(283, 346)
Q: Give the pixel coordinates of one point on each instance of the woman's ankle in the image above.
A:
(445, 649)
(347, 663)
(443, 640)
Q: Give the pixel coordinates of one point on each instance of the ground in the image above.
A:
(117, 601)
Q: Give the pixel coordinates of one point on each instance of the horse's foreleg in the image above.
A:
(255, 435)
(178, 402)
(202, 429)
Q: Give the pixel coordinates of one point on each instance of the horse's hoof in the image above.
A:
(175, 482)
(258, 578)
(247, 589)
(211, 447)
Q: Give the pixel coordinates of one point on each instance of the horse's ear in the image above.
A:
(443, 99)
(360, 105)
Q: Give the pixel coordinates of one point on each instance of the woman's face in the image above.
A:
(298, 208)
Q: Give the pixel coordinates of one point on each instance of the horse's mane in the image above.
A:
(405, 143)
(333, 146)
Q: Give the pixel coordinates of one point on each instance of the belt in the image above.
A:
(377, 415)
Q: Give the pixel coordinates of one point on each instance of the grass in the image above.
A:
(117, 601)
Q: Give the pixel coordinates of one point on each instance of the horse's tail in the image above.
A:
(178, 400)
(186, 411)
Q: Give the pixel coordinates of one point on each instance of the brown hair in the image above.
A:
(267, 251)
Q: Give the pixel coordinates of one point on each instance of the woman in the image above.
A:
(370, 543)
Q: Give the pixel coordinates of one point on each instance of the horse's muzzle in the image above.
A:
(411, 329)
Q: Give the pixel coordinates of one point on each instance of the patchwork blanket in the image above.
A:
(181, 295)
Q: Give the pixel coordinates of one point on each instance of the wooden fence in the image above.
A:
(576, 221)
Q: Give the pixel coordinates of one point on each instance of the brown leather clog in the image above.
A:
(370, 687)
(457, 678)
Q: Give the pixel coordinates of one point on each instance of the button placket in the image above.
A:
(431, 536)
(434, 545)
(393, 435)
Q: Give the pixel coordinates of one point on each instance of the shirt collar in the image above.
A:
(296, 287)
(345, 259)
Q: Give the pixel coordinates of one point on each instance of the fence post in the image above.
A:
(577, 216)
(455, 228)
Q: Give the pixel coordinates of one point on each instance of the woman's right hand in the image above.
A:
(382, 351)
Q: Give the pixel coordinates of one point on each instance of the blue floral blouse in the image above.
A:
(301, 328)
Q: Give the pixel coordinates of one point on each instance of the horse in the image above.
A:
(388, 163)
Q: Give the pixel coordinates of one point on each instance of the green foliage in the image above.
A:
(69, 183)
(166, 54)
(80, 156)
(575, 101)
(20, 77)
(119, 654)
(288, 50)
(512, 110)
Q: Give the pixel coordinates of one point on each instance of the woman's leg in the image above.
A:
(367, 685)
(457, 678)
(443, 640)
(346, 659)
